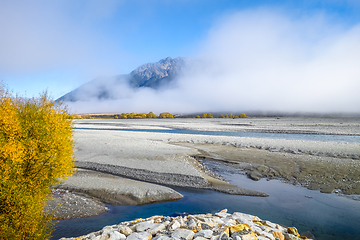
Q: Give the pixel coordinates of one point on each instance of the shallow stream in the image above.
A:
(286, 136)
(327, 216)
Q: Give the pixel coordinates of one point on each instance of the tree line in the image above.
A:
(210, 115)
(152, 115)
(143, 115)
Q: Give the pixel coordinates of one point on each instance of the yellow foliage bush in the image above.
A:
(207, 115)
(151, 115)
(36, 152)
(166, 115)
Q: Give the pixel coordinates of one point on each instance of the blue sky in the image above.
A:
(60, 44)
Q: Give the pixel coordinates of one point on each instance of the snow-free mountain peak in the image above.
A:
(150, 75)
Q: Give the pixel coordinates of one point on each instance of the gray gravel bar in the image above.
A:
(154, 159)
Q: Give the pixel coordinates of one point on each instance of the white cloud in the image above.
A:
(43, 35)
(265, 60)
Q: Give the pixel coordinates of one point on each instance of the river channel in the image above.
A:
(327, 216)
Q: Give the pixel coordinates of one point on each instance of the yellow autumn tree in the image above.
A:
(166, 115)
(207, 115)
(36, 152)
(151, 115)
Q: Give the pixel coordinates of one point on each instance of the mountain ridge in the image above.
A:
(149, 75)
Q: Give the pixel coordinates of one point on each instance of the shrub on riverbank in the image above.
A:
(207, 115)
(166, 115)
(135, 115)
(36, 151)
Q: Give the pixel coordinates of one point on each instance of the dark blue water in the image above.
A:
(286, 136)
(327, 216)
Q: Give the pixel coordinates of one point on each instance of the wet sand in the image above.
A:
(326, 174)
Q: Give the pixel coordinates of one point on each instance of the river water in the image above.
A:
(286, 136)
(327, 216)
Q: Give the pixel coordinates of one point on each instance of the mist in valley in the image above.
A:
(259, 60)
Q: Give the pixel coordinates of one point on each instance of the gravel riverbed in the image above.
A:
(133, 167)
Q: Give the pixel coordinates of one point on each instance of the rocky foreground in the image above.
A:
(221, 225)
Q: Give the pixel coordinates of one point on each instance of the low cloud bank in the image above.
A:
(259, 60)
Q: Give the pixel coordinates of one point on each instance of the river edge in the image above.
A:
(221, 225)
(327, 216)
(240, 144)
(83, 202)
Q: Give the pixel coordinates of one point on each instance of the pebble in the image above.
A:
(218, 226)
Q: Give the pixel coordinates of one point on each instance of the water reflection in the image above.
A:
(327, 216)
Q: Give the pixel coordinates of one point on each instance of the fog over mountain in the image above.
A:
(158, 76)
(253, 60)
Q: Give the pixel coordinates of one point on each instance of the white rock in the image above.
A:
(139, 236)
(91, 236)
(156, 227)
(126, 230)
(204, 233)
(107, 230)
(242, 217)
(291, 237)
(258, 230)
(200, 238)
(229, 222)
(173, 225)
(223, 236)
(270, 224)
(267, 235)
(222, 214)
(236, 237)
(183, 234)
(216, 220)
(262, 238)
(267, 229)
(161, 238)
(143, 226)
(115, 235)
(191, 224)
(182, 222)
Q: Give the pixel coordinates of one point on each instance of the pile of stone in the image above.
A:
(219, 226)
